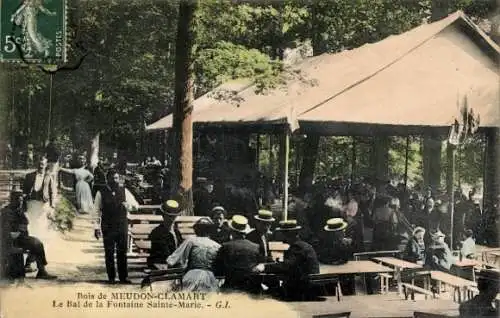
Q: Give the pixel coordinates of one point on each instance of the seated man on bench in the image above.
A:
(15, 222)
(299, 261)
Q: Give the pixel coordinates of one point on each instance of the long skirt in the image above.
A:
(84, 200)
(200, 280)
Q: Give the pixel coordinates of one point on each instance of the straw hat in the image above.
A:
(265, 216)
(335, 224)
(239, 223)
(170, 207)
(288, 225)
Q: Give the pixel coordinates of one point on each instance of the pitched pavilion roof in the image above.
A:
(406, 82)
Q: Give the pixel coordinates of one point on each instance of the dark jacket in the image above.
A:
(334, 252)
(477, 308)
(256, 238)
(162, 244)
(114, 215)
(235, 260)
(414, 252)
(439, 257)
(299, 261)
(202, 201)
(221, 234)
(48, 188)
(52, 153)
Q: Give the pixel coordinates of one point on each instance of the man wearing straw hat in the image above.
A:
(236, 259)
(481, 305)
(336, 249)
(299, 261)
(165, 238)
(263, 221)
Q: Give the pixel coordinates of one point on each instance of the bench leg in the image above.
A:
(338, 291)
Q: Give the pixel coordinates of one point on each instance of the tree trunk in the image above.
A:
(311, 143)
(183, 105)
(94, 151)
(311, 147)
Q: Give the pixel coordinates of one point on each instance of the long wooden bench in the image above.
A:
(141, 231)
(460, 285)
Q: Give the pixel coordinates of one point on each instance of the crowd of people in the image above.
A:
(327, 225)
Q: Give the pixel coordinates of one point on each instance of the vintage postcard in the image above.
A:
(253, 158)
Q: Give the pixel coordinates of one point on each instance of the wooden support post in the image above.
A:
(353, 159)
(285, 176)
(407, 153)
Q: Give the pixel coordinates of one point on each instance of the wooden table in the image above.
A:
(484, 251)
(354, 267)
(495, 253)
(399, 265)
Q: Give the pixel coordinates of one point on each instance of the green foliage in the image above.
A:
(397, 160)
(227, 61)
(64, 214)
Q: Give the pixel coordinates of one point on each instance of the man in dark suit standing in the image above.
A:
(299, 262)
(112, 204)
(237, 257)
(260, 235)
(165, 238)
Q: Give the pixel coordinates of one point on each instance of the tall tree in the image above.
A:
(183, 104)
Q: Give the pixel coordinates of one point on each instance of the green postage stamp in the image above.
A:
(33, 31)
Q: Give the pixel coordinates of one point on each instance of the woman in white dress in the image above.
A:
(84, 199)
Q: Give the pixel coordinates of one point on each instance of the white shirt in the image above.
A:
(129, 199)
(468, 247)
(38, 182)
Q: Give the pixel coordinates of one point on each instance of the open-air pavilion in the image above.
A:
(408, 84)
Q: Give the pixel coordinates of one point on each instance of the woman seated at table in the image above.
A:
(415, 249)
(198, 254)
(439, 256)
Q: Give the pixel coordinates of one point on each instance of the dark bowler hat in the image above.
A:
(265, 216)
(239, 223)
(203, 223)
(335, 224)
(170, 207)
(288, 225)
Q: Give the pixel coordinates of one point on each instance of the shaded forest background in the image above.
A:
(127, 79)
